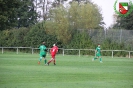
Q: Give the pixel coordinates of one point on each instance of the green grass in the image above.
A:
(22, 71)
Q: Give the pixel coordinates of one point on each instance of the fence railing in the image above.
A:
(32, 50)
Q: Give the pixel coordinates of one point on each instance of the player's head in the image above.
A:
(53, 44)
(43, 43)
(98, 45)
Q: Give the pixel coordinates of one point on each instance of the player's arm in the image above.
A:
(96, 50)
(45, 49)
(56, 49)
(39, 47)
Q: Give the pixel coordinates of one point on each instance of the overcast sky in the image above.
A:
(107, 7)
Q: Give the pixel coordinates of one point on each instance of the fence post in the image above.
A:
(95, 53)
(112, 53)
(79, 52)
(129, 54)
(17, 50)
(63, 51)
(32, 50)
(2, 50)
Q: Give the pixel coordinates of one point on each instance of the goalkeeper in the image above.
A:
(43, 52)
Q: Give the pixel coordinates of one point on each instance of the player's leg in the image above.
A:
(54, 61)
(100, 58)
(45, 60)
(96, 57)
(40, 59)
(50, 61)
(52, 58)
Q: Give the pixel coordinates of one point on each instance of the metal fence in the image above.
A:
(119, 36)
(62, 51)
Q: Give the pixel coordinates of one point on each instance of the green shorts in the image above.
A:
(98, 54)
(43, 55)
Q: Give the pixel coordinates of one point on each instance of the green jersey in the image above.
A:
(98, 49)
(42, 49)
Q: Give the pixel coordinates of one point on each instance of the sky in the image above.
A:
(107, 9)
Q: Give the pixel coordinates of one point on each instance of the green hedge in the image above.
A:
(33, 36)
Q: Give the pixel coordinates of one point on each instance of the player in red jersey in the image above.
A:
(53, 52)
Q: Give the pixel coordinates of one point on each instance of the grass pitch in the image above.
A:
(22, 71)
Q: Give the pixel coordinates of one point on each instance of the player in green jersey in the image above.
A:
(98, 54)
(43, 52)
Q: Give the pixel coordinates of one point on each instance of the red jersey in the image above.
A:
(54, 50)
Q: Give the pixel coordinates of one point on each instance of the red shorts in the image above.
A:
(53, 56)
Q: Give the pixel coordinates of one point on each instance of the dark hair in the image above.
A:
(43, 43)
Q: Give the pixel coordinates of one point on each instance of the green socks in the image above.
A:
(95, 58)
(45, 61)
(100, 59)
(40, 58)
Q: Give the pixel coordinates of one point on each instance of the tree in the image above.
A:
(63, 21)
(57, 3)
(26, 14)
(8, 13)
(41, 7)
(37, 35)
(17, 13)
(58, 24)
(85, 16)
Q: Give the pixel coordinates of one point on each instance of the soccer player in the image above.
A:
(43, 52)
(98, 54)
(53, 52)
